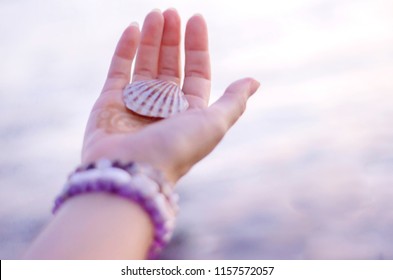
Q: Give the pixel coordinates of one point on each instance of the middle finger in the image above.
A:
(146, 63)
(169, 61)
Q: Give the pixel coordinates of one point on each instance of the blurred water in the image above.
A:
(306, 174)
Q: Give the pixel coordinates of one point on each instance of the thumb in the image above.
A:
(231, 105)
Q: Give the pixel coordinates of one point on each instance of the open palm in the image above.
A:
(172, 145)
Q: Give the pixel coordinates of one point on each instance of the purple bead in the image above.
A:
(89, 187)
(79, 169)
(157, 217)
(73, 190)
(150, 205)
(100, 184)
(55, 207)
(139, 200)
(129, 166)
(117, 164)
(106, 187)
(124, 192)
(160, 231)
(158, 244)
(156, 207)
(90, 166)
(110, 187)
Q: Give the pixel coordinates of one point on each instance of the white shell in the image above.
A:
(154, 98)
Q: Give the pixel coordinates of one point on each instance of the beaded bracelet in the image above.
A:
(136, 182)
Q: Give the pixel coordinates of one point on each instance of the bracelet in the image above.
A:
(139, 183)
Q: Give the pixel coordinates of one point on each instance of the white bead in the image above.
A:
(161, 206)
(169, 225)
(103, 163)
(167, 237)
(146, 187)
(119, 176)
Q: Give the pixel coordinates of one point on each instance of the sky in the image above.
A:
(309, 164)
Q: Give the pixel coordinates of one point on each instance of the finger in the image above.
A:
(146, 63)
(169, 61)
(229, 107)
(210, 125)
(197, 65)
(120, 68)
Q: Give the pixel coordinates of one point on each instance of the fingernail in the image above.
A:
(254, 85)
(156, 10)
(134, 23)
(198, 15)
(172, 9)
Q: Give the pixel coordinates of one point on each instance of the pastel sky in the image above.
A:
(305, 174)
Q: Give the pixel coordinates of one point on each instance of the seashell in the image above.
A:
(154, 98)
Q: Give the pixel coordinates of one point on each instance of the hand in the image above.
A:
(175, 144)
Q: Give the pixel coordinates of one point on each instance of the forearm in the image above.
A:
(95, 226)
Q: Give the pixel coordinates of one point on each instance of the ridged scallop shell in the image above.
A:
(154, 98)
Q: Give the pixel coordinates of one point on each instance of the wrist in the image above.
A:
(132, 181)
(170, 174)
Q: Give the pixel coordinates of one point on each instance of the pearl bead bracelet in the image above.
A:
(139, 183)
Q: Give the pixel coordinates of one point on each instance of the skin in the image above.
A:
(84, 227)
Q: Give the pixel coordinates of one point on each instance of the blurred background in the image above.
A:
(307, 173)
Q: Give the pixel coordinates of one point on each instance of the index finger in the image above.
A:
(120, 68)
